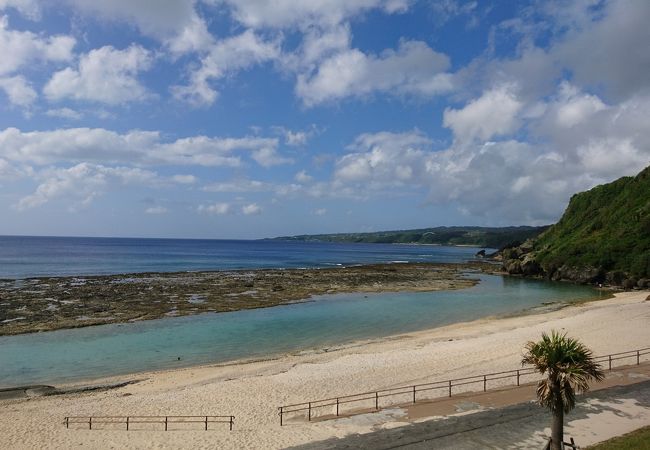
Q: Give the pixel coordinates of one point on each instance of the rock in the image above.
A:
(480, 254)
(530, 267)
(615, 278)
(629, 283)
(512, 266)
(583, 275)
(643, 283)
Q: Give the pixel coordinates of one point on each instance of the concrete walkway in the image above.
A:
(506, 418)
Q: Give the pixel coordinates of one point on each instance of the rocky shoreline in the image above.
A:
(522, 260)
(44, 304)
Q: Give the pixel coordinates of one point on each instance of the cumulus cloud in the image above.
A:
(243, 185)
(215, 209)
(268, 156)
(114, 70)
(251, 209)
(289, 13)
(176, 23)
(303, 177)
(605, 47)
(184, 179)
(135, 147)
(383, 159)
(19, 48)
(18, 90)
(579, 141)
(64, 113)
(225, 57)
(28, 8)
(83, 182)
(413, 69)
(492, 114)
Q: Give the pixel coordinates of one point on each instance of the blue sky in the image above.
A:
(256, 118)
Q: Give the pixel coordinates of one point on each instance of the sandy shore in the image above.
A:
(253, 391)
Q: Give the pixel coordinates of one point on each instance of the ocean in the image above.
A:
(28, 256)
(65, 356)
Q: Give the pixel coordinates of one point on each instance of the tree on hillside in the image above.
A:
(568, 367)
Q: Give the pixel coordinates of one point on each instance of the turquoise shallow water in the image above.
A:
(86, 353)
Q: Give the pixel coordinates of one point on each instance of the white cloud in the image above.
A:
(268, 156)
(225, 57)
(238, 186)
(184, 179)
(28, 8)
(445, 10)
(412, 69)
(289, 13)
(18, 90)
(303, 177)
(135, 147)
(608, 48)
(320, 212)
(383, 158)
(156, 210)
(251, 209)
(176, 23)
(19, 48)
(105, 75)
(215, 209)
(83, 182)
(492, 114)
(573, 107)
(64, 113)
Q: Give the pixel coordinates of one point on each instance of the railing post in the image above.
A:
(309, 418)
(637, 357)
(165, 423)
(517, 377)
(413, 394)
(206, 423)
(610, 362)
(484, 383)
(337, 407)
(232, 419)
(67, 422)
(281, 415)
(450, 388)
(377, 400)
(127, 423)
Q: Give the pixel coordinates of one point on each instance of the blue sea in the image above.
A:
(65, 356)
(23, 257)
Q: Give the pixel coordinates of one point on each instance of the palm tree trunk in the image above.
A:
(557, 423)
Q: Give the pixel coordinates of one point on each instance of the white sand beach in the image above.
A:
(253, 391)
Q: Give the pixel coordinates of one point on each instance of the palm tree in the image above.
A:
(569, 366)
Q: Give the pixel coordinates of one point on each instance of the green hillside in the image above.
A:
(475, 236)
(603, 236)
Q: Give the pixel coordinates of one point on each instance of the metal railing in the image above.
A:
(130, 420)
(409, 394)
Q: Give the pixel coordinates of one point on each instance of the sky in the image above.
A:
(243, 119)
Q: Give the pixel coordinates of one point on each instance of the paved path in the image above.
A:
(508, 419)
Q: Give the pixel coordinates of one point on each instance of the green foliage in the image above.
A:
(475, 236)
(569, 366)
(606, 227)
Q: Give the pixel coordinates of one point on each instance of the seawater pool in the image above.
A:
(65, 356)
